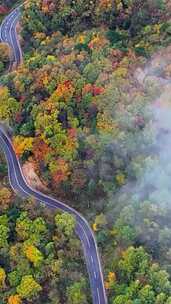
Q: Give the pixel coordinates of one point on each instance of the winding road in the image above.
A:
(19, 184)
(8, 34)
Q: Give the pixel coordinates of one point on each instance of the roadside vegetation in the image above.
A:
(4, 58)
(82, 119)
(40, 257)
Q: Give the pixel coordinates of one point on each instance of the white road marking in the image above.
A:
(10, 35)
(11, 16)
(48, 204)
(85, 234)
(19, 47)
(7, 19)
(98, 293)
(45, 196)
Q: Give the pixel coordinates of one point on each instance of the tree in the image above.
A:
(91, 72)
(65, 223)
(60, 170)
(23, 226)
(14, 299)
(14, 278)
(4, 52)
(143, 12)
(75, 293)
(4, 231)
(33, 258)
(2, 278)
(33, 254)
(100, 222)
(134, 260)
(137, 279)
(28, 287)
(4, 55)
(32, 230)
(8, 105)
(5, 198)
(22, 144)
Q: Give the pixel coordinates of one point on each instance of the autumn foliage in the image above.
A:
(22, 144)
(61, 172)
(15, 299)
(79, 108)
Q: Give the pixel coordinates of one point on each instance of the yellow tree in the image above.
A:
(33, 254)
(22, 144)
(28, 287)
(2, 277)
(8, 105)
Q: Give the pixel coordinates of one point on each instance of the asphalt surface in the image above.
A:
(8, 35)
(19, 184)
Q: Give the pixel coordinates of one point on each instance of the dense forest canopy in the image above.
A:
(83, 113)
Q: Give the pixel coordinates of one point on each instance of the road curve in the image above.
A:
(19, 184)
(8, 35)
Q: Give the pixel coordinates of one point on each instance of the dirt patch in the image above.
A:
(32, 178)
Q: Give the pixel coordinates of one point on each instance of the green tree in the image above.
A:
(8, 105)
(75, 293)
(65, 223)
(4, 231)
(33, 254)
(23, 226)
(139, 280)
(28, 287)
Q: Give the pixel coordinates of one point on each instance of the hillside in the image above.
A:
(89, 110)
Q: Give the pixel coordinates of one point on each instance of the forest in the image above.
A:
(81, 116)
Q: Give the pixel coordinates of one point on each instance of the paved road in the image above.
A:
(19, 184)
(8, 34)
